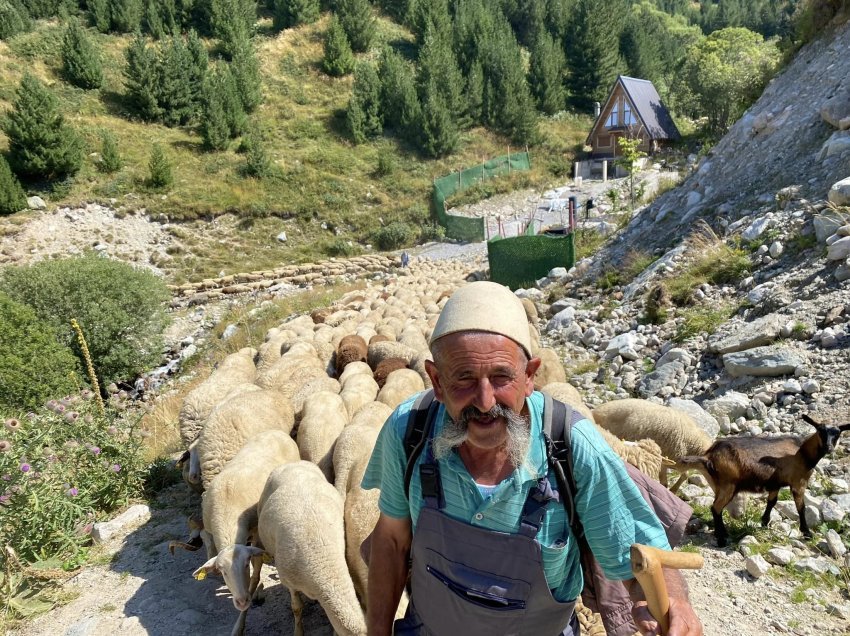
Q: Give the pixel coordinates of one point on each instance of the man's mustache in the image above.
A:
(472, 412)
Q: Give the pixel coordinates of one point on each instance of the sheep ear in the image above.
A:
(209, 567)
(183, 459)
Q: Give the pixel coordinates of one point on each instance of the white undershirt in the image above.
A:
(486, 491)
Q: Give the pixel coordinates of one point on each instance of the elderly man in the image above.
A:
(463, 533)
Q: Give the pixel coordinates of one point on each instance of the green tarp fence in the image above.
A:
(520, 261)
(464, 228)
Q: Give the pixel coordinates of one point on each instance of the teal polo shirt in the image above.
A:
(613, 512)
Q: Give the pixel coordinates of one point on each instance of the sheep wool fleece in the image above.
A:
(613, 512)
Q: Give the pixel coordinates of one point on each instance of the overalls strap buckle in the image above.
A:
(432, 489)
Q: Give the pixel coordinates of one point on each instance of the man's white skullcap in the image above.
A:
(484, 306)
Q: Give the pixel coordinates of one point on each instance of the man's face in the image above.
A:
(480, 370)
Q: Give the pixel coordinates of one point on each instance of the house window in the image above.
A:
(628, 117)
(613, 116)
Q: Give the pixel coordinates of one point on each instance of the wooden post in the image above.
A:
(509, 160)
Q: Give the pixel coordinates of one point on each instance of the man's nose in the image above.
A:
(485, 396)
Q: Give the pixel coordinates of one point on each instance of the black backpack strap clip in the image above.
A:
(558, 420)
(419, 423)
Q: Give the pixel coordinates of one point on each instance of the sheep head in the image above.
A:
(233, 563)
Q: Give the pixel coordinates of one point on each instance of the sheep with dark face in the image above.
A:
(763, 464)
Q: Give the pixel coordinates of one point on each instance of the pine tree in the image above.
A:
(546, 73)
(141, 79)
(593, 50)
(154, 23)
(439, 130)
(215, 129)
(257, 163)
(399, 103)
(42, 8)
(99, 13)
(237, 120)
(12, 195)
(14, 19)
(475, 94)
(81, 63)
(358, 22)
(641, 45)
(438, 66)
(174, 92)
(338, 59)
(364, 107)
(41, 145)
(197, 71)
(232, 22)
(246, 73)
(290, 13)
(428, 15)
(126, 15)
(159, 168)
(110, 159)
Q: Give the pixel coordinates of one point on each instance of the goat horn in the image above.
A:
(811, 421)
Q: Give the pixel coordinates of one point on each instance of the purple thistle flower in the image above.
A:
(70, 416)
(72, 492)
(116, 468)
(6, 477)
(112, 431)
(95, 450)
(13, 425)
(5, 499)
(25, 468)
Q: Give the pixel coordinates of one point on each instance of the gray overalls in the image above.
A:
(471, 581)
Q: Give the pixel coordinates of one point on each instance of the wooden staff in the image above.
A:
(647, 564)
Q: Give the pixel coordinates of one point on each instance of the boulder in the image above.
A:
(763, 361)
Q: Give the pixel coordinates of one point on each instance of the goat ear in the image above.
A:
(814, 423)
(844, 427)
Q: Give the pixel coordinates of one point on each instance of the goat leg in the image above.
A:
(721, 499)
(801, 510)
(772, 498)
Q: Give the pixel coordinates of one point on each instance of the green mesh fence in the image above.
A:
(521, 260)
(464, 228)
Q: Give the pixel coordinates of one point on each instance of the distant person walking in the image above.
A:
(405, 259)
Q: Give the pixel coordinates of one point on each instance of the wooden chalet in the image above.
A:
(633, 109)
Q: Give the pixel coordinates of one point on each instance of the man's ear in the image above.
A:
(431, 370)
(530, 371)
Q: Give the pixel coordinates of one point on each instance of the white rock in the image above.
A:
(36, 203)
(757, 566)
(779, 556)
(831, 510)
(813, 517)
(788, 510)
(791, 386)
(281, 237)
(836, 545)
(134, 515)
(776, 249)
(811, 386)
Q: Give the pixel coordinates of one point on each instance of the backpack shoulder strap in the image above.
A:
(419, 423)
(558, 420)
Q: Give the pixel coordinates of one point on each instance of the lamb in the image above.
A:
(230, 514)
(352, 348)
(302, 527)
(759, 464)
(383, 350)
(385, 367)
(236, 420)
(400, 385)
(319, 383)
(379, 337)
(645, 455)
(237, 368)
(675, 431)
(324, 417)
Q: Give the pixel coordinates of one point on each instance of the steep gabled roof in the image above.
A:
(647, 107)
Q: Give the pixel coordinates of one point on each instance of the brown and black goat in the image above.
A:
(763, 464)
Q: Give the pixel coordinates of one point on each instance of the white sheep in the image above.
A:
(383, 350)
(323, 419)
(236, 420)
(319, 383)
(551, 369)
(357, 390)
(301, 526)
(400, 385)
(230, 513)
(353, 368)
(237, 368)
(675, 432)
(643, 454)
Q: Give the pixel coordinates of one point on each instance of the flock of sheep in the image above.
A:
(278, 439)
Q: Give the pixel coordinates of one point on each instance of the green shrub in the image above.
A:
(393, 236)
(81, 62)
(160, 169)
(120, 309)
(431, 232)
(34, 366)
(62, 467)
(12, 196)
(699, 320)
(341, 247)
(338, 59)
(110, 159)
